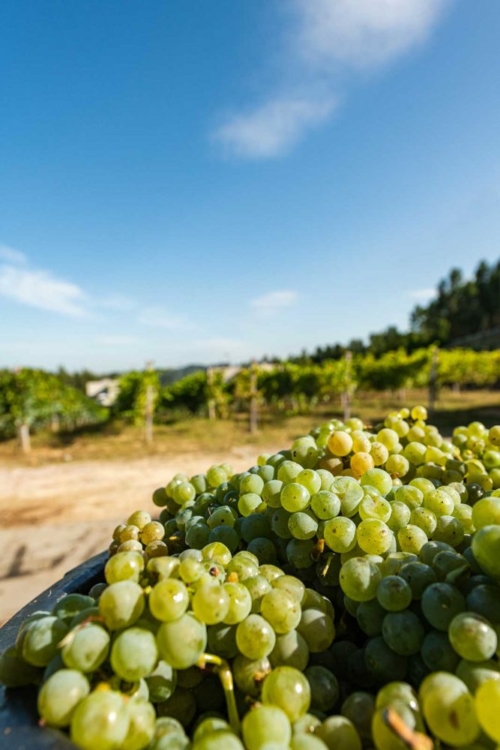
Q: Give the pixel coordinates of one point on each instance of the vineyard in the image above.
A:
(31, 400)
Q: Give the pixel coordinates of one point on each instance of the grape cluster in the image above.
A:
(341, 594)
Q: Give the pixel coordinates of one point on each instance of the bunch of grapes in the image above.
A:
(341, 594)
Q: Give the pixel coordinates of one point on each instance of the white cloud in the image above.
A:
(12, 256)
(273, 128)
(160, 318)
(362, 33)
(422, 295)
(322, 40)
(41, 289)
(275, 300)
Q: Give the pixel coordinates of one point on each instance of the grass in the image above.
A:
(117, 441)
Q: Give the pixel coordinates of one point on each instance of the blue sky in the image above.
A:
(203, 181)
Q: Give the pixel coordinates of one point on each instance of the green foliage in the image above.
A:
(189, 393)
(34, 398)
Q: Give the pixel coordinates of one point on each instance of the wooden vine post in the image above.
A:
(254, 408)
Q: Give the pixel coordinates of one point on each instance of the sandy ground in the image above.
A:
(54, 517)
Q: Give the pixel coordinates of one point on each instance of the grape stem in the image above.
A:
(226, 677)
(412, 740)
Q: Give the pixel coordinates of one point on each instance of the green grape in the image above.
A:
(448, 709)
(370, 616)
(374, 536)
(298, 553)
(293, 585)
(472, 637)
(379, 479)
(251, 483)
(255, 637)
(72, 604)
(288, 471)
(161, 682)
(399, 517)
(411, 538)
(255, 525)
(307, 742)
(304, 450)
(400, 692)
(379, 453)
(209, 725)
(486, 549)
(290, 650)
(86, 648)
(221, 516)
(310, 479)
(485, 600)
(415, 452)
(450, 530)
(222, 640)
(325, 504)
(394, 562)
(139, 518)
(248, 503)
(240, 603)
(317, 629)
(249, 673)
(264, 725)
(324, 688)
(382, 662)
(359, 579)
(134, 654)
(403, 632)
(440, 603)
(281, 610)
(394, 593)
(339, 732)
(486, 512)
(287, 688)
(182, 642)
(359, 707)
(383, 735)
(271, 493)
(121, 604)
(397, 465)
(340, 534)
(60, 695)
(487, 704)
(100, 721)
(350, 493)
(142, 723)
(388, 437)
(264, 550)
(295, 497)
(244, 567)
(270, 572)
(425, 519)
(375, 507)
(219, 738)
(303, 525)
(418, 576)
(169, 599)
(438, 653)
(40, 640)
(474, 673)
(279, 523)
(257, 587)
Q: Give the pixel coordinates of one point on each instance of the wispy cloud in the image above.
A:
(12, 256)
(275, 301)
(41, 289)
(422, 295)
(273, 128)
(321, 40)
(160, 318)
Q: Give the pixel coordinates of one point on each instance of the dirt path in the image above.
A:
(54, 517)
